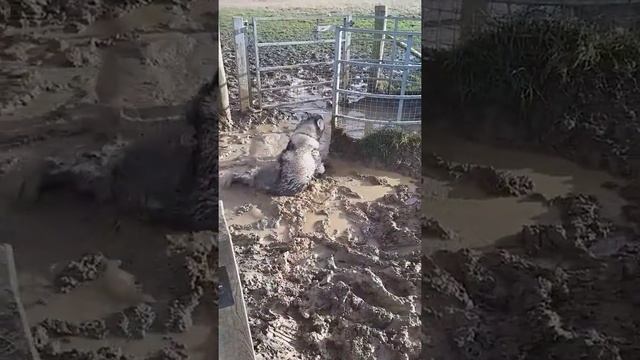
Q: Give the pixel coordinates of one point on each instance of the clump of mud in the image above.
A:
(492, 181)
(581, 226)
(21, 86)
(134, 322)
(87, 268)
(94, 329)
(474, 301)
(431, 227)
(192, 259)
(173, 351)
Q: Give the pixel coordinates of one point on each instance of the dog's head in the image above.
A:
(316, 119)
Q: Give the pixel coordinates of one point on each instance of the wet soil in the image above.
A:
(86, 86)
(334, 271)
(546, 273)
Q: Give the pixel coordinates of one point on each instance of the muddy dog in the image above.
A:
(312, 130)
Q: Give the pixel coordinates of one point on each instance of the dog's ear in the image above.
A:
(320, 123)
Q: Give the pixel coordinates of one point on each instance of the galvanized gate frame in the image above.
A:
(259, 69)
(339, 61)
(341, 43)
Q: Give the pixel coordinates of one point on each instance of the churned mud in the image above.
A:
(543, 268)
(334, 271)
(94, 96)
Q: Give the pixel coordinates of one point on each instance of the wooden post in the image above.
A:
(234, 336)
(225, 109)
(378, 48)
(16, 331)
(241, 62)
(472, 17)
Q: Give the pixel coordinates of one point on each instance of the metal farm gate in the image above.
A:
(378, 77)
(293, 59)
(290, 61)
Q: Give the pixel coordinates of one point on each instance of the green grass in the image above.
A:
(279, 30)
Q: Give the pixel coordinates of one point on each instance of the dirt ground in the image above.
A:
(98, 282)
(333, 272)
(527, 256)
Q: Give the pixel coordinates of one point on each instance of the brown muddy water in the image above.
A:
(483, 221)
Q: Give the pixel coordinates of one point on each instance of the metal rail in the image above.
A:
(294, 66)
(296, 86)
(378, 96)
(290, 43)
(382, 65)
(374, 121)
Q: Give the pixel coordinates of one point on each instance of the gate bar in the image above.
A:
(282, 67)
(387, 32)
(379, 96)
(288, 43)
(386, 122)
(313, 18)
(296, 86)
(296, 102)
(393, 66)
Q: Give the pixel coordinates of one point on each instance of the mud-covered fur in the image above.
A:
(297, 168)
(286, 176)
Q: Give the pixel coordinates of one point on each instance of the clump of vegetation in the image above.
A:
(527, 60)
(389, 143)
(393, 148)
(561, 81)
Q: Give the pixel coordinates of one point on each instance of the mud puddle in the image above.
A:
(62, 229)
(353, 233)
(479, 220)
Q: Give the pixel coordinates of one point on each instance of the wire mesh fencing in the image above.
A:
(378, 78)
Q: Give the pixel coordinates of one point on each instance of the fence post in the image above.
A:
(257, 53)
(346, 51)
(472, 17)
(336, 78)
(241, 62)
(222, 83)
(394, 51)
(378, 47)
(405, 77)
